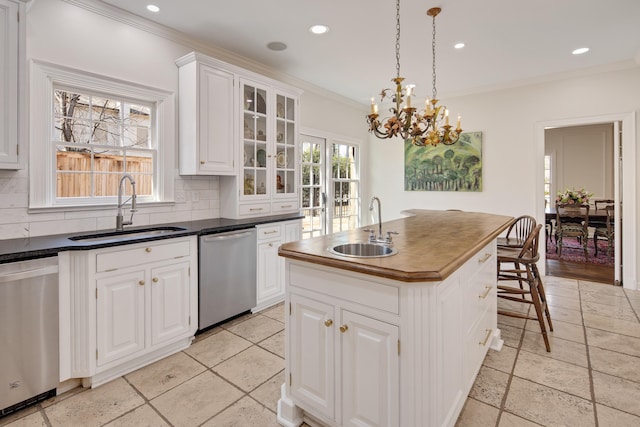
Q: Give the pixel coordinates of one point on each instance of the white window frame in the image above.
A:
(42, 163)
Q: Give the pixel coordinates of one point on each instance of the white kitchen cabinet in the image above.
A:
(356, 343)
(12, 84)
(126, 306)
(270, 267)
(267, 180)
(366, 376)
(206, 116)
(344, 365)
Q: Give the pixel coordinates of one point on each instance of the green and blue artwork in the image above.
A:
(456, 167)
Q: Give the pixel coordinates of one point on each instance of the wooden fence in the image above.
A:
(72, 182)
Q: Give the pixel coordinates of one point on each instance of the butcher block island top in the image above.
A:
(431, 245)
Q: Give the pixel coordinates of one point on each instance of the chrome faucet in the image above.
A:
(120, 223)
(372, 234)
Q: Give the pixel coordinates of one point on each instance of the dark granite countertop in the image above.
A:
(46, 246)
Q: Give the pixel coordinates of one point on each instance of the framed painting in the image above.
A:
(456, 167)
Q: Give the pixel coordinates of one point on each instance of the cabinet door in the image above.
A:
(215, 122)
(370, 371)
(286, 136)
(291, 231)
(256, 156)
(9, 36)
(120, 316)
(169, 302)
(311, 353)
(270, 280)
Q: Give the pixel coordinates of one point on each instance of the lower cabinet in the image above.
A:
(270, 268)
(335, 350)
(143, 298)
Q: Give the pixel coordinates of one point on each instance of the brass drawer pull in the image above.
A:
(154, 280)
(147, 249)
(270, 232)
(484, 258)
(141, 282)
(487, 290)
(285, 206)
(328, 322)
(486, 338)
(255, 209)
(344, 328)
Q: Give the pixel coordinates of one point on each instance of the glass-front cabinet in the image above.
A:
(267, 183)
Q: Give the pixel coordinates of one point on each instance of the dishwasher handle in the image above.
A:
(225, 236)
(27, 274)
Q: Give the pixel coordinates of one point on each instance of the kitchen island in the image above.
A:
(390, 341)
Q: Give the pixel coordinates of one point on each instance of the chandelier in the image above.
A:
(421, 127)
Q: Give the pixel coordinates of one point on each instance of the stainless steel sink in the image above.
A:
(363, 250)
(126, 234)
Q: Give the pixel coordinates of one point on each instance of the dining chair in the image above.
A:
(606, 232)
(572, 221)
(519, 265)
(518, 232)
(602, 203)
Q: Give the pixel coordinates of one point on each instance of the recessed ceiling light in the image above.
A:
(319, 29)
(277, 46)
(580, 51)
(153, 8)
(459, 45)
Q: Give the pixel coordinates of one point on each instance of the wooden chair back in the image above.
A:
(603, 203)
(572, 215)
(521, 228)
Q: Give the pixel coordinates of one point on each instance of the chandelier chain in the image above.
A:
(397, 38)
(433, 51)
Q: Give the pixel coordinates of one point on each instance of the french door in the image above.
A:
(330, 185)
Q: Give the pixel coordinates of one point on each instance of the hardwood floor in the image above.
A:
(579, 270)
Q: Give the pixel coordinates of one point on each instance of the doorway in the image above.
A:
(624, 132)
(330, 184)
(580, 158)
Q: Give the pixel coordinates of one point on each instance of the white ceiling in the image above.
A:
(508, 42)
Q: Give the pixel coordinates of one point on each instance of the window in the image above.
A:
(89, 130)
(547, 181)
(96, 140)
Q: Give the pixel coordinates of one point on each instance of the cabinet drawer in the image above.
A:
(268, 232)
(477, 343)
(284, 206)
(255, 209)
(127, 256)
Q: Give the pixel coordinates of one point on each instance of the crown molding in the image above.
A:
(115, 13)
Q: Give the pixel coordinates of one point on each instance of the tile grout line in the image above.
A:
(511, 374)
(589, 367)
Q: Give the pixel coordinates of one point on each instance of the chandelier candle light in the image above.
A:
(420, 127)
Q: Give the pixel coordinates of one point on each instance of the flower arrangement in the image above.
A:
(574, 197)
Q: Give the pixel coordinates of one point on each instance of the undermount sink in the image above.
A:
(126, 234)
(363, 250)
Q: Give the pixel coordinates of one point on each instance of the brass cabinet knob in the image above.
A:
(343, 328)
(141, 282)
(148, 249)
(155, 280)
(328, 322)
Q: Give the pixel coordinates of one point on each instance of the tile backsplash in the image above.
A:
(195, 198)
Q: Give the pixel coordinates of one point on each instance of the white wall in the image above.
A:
(512, 161)
(65, 34)
(581, 157)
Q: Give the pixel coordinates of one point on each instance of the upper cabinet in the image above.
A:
(267, 180)
(12, 84)
(206, 117)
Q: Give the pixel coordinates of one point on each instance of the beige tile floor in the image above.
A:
(231, 375)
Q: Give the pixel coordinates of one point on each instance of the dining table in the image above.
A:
(595, 215)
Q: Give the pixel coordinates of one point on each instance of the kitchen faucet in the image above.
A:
(120, 223)
(372, 233)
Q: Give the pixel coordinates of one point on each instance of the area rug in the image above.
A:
(572, 251)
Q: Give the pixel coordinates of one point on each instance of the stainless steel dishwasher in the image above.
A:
(28, 332)
(227, 275)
